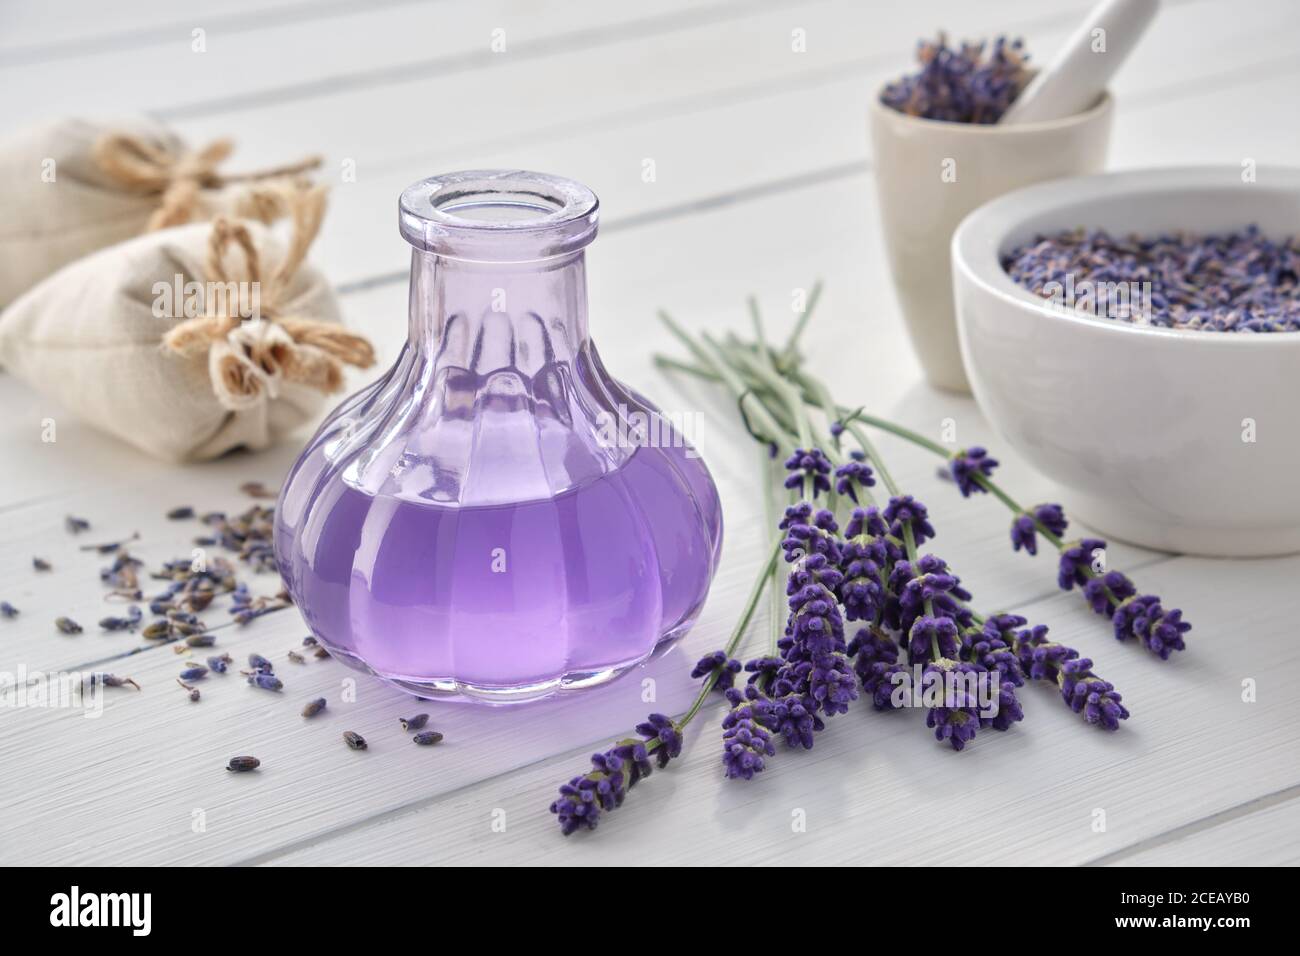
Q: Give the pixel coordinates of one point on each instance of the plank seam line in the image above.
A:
(34, 54)
(467, 60)
(798, 181)
(1213, 821)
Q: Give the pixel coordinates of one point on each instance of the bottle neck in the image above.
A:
(484, 316)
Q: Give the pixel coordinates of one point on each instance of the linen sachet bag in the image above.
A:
(71, 187)
(191, 341)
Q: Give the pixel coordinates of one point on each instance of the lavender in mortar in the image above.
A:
(973, 83)
(1236, 282)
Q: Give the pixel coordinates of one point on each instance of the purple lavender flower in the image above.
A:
(583, 798)
(1082, 690)
(988, 648)
(1106, 591)
(745, 741)
(910, 586)
(967, 466)
(1159, 631)
(926, 633)
(614, 772)
(961, 85)
(862, 592)
(907, 509)
(763, 670)
(1113, 595)
(957, 719)
(809, 532)
(808, 465)
(795, 718)
(1076, 562)
(1009, 709)
(1088, 694)
(1024, 529)
(726, 669)
(661, 730)
(853, 475)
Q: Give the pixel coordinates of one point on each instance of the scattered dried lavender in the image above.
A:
(427, 738)
(354, 740)
(264, 681)
(128, 623)
(67, 625)
(180, 514)
(40, 564)
(195, 672)
(1237, 282)
(243, 764)
(314, 707)
(76, 525)
(8, 611)
(110, 680)
(414, 723)
(975, 83)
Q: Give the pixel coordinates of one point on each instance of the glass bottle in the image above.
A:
(497, 518)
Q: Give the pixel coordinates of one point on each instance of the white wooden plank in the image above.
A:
(1264, 833)
(359, 47)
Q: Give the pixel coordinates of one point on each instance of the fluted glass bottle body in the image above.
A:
(493, 519)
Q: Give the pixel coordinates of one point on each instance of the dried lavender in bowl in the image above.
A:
(975, 83)
(1236, 282)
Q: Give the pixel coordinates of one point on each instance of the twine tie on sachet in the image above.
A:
(142, 166)
(248, 359)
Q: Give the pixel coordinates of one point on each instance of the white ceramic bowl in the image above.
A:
(1146, 429)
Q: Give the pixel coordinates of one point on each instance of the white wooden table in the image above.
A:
(763, 183)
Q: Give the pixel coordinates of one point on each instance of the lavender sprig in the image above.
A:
(615, 771)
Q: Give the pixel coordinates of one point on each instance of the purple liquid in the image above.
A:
(521, 596)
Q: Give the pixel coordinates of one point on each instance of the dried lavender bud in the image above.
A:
(255, 489)
(197, 672)
(264, 681)
(309, 641)
(218, 665)
(427, 738)
(120, 623)
(200, 640)
(67, 625)
(76, 525)
(297, 658)
(259, 663)
(180, 514)
(961, 85)
(123, 573)
(314, 707)
(40, 564)
(108, 547)
(194, 695)
(110, 680)
(158, 630)
(321, 654)
(8, 610)
(1235, 282)
(354, 740)
(243, 764)
(414, 723)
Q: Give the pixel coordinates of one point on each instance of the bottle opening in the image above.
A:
(498, 215)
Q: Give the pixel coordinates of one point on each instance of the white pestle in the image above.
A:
(1081, 71)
